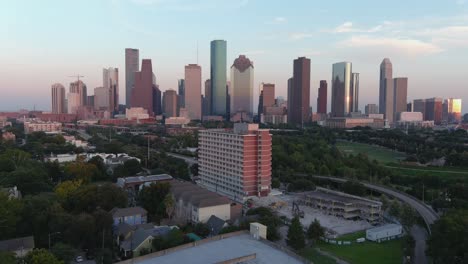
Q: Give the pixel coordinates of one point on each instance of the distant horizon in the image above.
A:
(427, 43)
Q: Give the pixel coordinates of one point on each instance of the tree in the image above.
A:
(82, 171)
(395, 209)
(7, 257)
(89, 197)
(407, 216)
(152, 199)
(18, 157)
(315, 230)
(10, 210)
(296, 238)
(132, 166)
(275, 183)
(447, 243)
(194, 169)
(169, 204)
(64, 189)
(201, 229)
(63, 252)
(41, 256)
(29, 180)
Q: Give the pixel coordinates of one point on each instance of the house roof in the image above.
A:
(129, 211)
(196, 195)
(17, 243)
(141, 234)
(215, 224)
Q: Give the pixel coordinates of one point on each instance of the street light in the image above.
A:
(51, 234)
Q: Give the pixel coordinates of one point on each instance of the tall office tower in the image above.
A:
(58, 98)
(267, 96)
(355, 92)
(400, 91)
(290, 97)
(342, 97)
(142, 93)
(300, 103)
(409, 107)
(181, 89)
(110, 81)
(193, 79)
(434, 110)
(386, 94)
(207, 100)
(170, 103)
(419, 105)
(73, 102)
(157, 105)
(132, 65)
(154, 79)
(90, 100)
(451, 113)
(218, 77)
(101, 98)
(322, 98)
(242, 81)
(260, 107)
(219, 168)
(80, 88)
(372, 109)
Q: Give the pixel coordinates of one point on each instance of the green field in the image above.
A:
(452, 173)
(317, 258)
(389, 252)
(380, 154)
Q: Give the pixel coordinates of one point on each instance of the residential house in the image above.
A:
(131, 215)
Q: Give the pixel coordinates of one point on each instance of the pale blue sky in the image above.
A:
(43, 42)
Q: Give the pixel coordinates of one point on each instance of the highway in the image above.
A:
(427, 213)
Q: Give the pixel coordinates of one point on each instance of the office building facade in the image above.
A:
(299, 111)
(132, 65)
(58, 99)
(170, 103)
(218, 77)
(371, 109)
(400, 94)
(342, 94)
(386, 93)
(241, 90)
(142, 93)
(193, 79)
(110, 81)
(322, 97)
(451, 113)
(355, 92)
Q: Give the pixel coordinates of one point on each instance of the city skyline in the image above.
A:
(431, 44)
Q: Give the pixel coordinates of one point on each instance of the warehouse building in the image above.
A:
(384, 233)
(344, 205)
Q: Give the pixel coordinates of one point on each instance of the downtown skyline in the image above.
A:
(273, 42)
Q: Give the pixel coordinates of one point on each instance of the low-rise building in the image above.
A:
(384, 233)
(131, 215)
(194, 204)
(177, 121)
(136, 113)
(8, 136)
(412, 120)
(47, 127)
(135, 183)
(351, 122)
(141, 240)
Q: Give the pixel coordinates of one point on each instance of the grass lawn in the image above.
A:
(317, 258)
(445, 172)
(389, 252)
(380, 154)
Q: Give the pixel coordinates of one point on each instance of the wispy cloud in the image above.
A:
(348, 27)
(277, 20)
(300, 35)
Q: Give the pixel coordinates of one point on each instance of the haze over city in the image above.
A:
(45, 43)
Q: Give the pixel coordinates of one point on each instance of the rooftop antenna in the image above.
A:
(197, 52)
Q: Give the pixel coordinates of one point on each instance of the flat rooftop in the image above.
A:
(326, 194)
(225, 249)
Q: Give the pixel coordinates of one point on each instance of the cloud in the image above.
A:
(451, 36)
(300, 35)
(347, 27)
(276, 21)
(461, 2)
(387, 45)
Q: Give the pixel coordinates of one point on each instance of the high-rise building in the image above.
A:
(386, 93)
(451, 113)
(372, 109)
(157, 106)
(342, 97)
(355, 92)
(132, 65)
(434, 110)
(218, 77)
(193, 79)
(267, 97)
(409, 107)
(322, 98)
(181, 89)
(170, 103)
(73, 102)
(90, 101)
(80, 88)
(400, 90)
(142, 93)
(290, 98)
(58, 99)
(236, 163)
(101, 98)
(242, 81)
(207, 98)
(110, 81)
(300, 103)
(419, 105)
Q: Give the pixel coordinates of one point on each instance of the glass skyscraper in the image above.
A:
(342, 96)
(218, 77)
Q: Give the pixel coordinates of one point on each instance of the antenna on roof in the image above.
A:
(197, 52)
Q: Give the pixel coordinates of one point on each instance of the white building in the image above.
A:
(48, 127)
(384, 233)
(177, 121)
(136, 113)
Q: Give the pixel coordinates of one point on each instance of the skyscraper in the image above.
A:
(322, 98)
(434, 110)
(218, 77)
(170, 103)
(452, 111)
(290, 98)
(371, 109)
(267, 96)
(242, 81)
(101, 98)
(110, 81)
(207, 101)
(419, 105)
(73, 102)
(132, 60)
(400, 88)
(386, 94)
(157, 108)
(193, 80)
(342, 94)
(58, 98)
(300, 103)
(142, 93)
(80, 88)
(181, 89)
(355, 92)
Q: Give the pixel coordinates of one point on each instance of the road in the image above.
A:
(427, 213)
(420, 236)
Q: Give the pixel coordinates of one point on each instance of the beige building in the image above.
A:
(349, 122)
(48, 127)
(58, 99)
(193, 79)
(241, 88)
(170, 103)
(194, 204)
(136, 113)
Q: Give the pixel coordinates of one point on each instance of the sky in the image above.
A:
(45, 42)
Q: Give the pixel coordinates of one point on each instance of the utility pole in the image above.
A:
(423, 193)
(103, 232)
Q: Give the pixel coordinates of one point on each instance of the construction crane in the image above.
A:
(77, 77)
